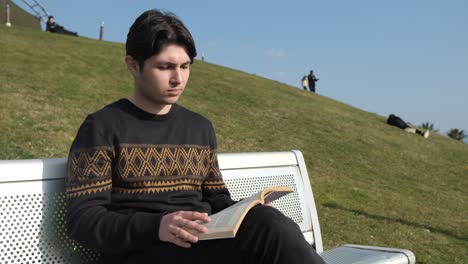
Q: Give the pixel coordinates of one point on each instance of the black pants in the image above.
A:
(312, 87)
(265, 236)
(62, 30)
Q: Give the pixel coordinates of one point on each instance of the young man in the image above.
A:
(143, 170)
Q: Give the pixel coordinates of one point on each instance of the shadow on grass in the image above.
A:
(396, 220)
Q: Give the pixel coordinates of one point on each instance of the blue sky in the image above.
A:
(404, 57)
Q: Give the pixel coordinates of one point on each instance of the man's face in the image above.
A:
(164, 76)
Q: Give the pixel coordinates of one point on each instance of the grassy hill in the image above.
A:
(374, 184)
(18, 16)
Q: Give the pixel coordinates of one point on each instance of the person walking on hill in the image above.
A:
(394, 120)
(312, 79)
(143, 171)
(304, 82)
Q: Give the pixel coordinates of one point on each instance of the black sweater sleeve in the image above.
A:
(214, 188)
(88, 188)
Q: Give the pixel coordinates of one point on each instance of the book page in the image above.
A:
(275, 195)
(228, 218)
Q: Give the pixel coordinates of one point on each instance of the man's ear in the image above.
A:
(132, 65)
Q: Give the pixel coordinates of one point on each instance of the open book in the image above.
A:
(225, 223)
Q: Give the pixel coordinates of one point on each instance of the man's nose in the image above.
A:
(176, 76)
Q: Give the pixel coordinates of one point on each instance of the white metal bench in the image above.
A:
(32, 208)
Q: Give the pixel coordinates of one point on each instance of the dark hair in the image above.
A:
(152, 31)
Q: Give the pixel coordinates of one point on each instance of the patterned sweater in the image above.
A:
(127, 168)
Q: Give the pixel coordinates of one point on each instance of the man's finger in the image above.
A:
(190, 215)
(188, 224)
(180, 242)
(185, 236)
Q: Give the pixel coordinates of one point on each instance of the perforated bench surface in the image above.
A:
(33, 230)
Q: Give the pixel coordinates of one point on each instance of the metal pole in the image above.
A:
(101, 31)
(33, 7)
(7, 15)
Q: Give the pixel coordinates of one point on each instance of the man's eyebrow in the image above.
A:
(171, 63)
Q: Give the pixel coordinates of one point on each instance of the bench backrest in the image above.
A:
(32, 203)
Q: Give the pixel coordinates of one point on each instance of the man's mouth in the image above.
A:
(174, 92)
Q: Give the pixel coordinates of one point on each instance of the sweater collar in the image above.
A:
(142, 114)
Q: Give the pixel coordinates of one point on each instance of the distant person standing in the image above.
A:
(304, 82)
(312, 79)
(53, 27)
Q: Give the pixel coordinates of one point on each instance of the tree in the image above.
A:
(429, 126)
(457, 134)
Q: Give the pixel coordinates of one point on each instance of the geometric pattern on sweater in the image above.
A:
(135, 161)
(143, 169)
(168, 186)
(90, 171)
(90, 164)
(89, 188)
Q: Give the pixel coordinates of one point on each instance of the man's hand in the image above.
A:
(174, 227)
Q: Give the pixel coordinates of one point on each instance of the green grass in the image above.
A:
(374, 184)
(18, 16)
